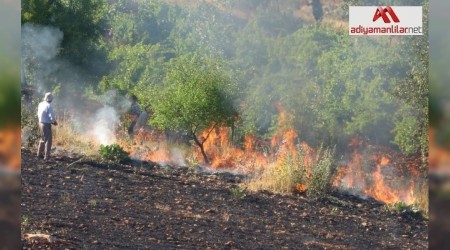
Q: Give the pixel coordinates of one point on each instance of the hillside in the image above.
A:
(73, 203)
(301, 9)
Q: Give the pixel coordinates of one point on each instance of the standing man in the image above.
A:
(134, 111)
(46, 117)
(138, 117)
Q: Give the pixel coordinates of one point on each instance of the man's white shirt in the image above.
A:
(45, 113)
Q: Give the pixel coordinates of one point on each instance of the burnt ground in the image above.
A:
(83, 204)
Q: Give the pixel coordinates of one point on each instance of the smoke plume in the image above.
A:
(40, 46)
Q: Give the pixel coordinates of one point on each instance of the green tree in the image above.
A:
(412, 92)
(206, 28)
(81, 56)
(81, 38)
(138, 68)
(147, 22)
(198, 94)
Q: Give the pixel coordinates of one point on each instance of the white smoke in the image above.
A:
(177, 157)
(113, 99)
(107, 119)
(40, 45)
(104, 125)
(42, 68)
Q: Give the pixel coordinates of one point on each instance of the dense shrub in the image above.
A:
(320, 182)
(292, 174)
(29, 124)
(114, 153)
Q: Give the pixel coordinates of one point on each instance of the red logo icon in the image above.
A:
(380, 12)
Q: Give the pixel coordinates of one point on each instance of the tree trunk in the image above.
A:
(200, 145)
(205, 157)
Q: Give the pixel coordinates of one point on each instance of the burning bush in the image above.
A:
(320, 182)
(198, 94)
(114, 153)
(295, 171)
(279, 179)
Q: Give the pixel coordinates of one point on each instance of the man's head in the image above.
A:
(48, 97)
(133, 98)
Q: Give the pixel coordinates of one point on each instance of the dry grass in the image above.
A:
(320, 182)
(65, 137)
(422, 199)
(291, 173)
(282, 176)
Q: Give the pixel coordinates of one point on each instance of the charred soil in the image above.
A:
(75, 204)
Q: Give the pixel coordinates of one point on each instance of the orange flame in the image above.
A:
(380, 190)
(161, 155)
(256, 154)
(375, 184)
(351, 176)
(224, 155)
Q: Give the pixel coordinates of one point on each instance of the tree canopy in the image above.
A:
(197, 95)
(196, 65)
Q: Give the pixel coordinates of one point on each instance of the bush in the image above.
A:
(290, 174)
(283, 176)
(29, 124)
(114, 153)
(238, 193)
(400, 207)
(320, 182)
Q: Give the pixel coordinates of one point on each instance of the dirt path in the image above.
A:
(96, 206)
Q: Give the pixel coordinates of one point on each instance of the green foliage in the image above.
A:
(197, 94)
(139, 45)
(411, 119)
(114, 153)
(407, 135)
(290, 173)
(238, 193)
(319, 184)
(401, 207)
(29, 123)
(80, 38)
(92, 203)
(147, 22)
(80, 59)
(282, 176)
(25, 220)
(138, 69)
(205, 28)
(336, 86)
